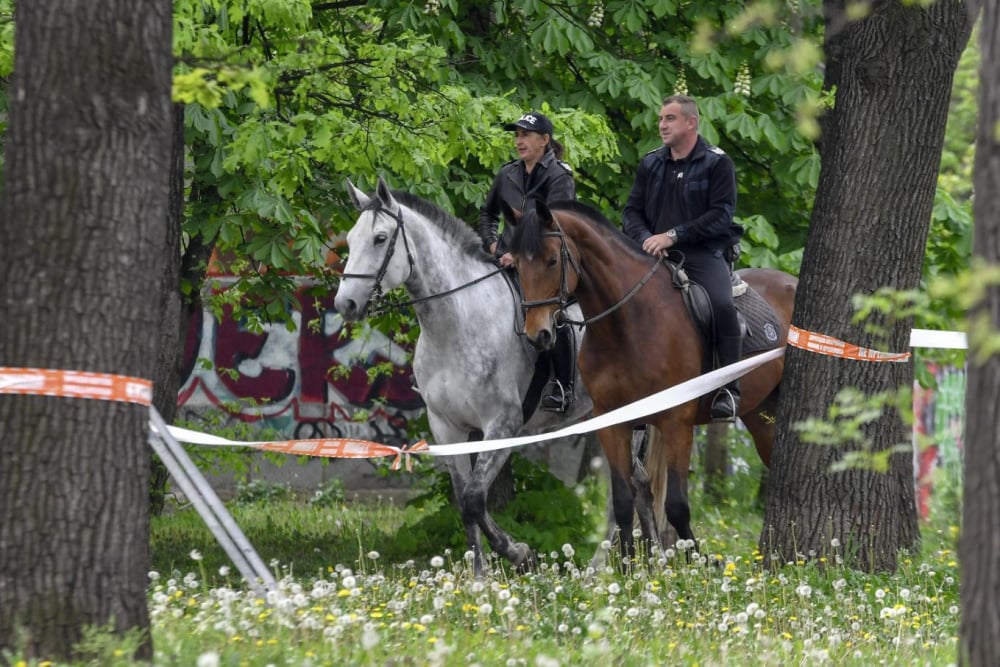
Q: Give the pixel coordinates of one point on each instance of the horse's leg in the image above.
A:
(761, 425)
(760, 422)
(488, 465)
(617, 444)
(678, 438)
(460, 469)
(641, 441)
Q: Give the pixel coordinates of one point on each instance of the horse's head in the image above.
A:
(549, 269)
(378, 253)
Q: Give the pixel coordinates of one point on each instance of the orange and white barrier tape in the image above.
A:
(337, 448)
(834, 347)
(75, 384)
(134, 390)
(121, 388)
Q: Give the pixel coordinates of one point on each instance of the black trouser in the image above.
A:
(709, 269)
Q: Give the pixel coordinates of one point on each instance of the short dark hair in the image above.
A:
(688, 106)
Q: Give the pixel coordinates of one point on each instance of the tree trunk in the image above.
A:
(880, 151)
(979, 546)
(84, 207)
(173, 325)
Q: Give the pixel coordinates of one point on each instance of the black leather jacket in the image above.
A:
(708, 200)
(551, 181)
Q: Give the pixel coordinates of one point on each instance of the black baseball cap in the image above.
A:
(533, 122)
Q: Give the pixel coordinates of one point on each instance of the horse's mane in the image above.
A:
(464, 236)
(527, 237)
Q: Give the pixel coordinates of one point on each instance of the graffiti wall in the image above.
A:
(307, 383)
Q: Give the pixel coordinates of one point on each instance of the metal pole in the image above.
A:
(197, 489)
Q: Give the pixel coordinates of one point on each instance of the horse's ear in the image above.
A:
(359, 198)
(384, 193)
(543, 212)
(511, 215)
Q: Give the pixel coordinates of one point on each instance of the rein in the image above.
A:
(563, 299)
(379, 302)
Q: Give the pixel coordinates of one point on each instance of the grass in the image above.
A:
(357, 588)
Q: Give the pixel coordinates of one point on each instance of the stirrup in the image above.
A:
(558, 400)
(724, 406)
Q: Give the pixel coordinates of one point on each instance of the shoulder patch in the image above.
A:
(716, 150)
(565, 166)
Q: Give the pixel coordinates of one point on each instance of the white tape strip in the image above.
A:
(649, 405)
(948, 340)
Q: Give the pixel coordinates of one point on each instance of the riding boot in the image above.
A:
(560, 395)
(726, 404)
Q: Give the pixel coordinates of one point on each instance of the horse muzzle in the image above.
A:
(350, 309)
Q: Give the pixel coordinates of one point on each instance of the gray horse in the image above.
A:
(471, 366)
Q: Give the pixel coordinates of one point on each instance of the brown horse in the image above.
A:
(640, 340)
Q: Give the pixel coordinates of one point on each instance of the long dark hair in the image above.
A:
(556, 147)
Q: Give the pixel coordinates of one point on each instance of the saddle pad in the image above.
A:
(762, 322)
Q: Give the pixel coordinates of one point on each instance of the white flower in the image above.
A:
(224, 571)
(567, 550)
(369, 638)
(195, 554)
(373, 555)
(614, 589)
(437, 562)
(804, 590)
(208, 659)
(349, 582)
(879, 594)
(835, 543)
(486, 609)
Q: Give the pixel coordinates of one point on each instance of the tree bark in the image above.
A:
(83, 214)
(979, 545)
(880, 151)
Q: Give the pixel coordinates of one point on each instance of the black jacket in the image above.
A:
(551, 180)
(708, 198)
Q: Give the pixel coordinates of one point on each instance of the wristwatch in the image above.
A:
(672, 235)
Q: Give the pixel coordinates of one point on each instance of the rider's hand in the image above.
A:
(506, 260)
(657, 244)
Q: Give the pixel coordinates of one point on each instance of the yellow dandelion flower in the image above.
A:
(343, 593)
(419, 627)
(491, 631)
(236, 638)
(272, 642)
(786, 635)
(377, 614)
(432, 640)
(520, 627)
(259, 643)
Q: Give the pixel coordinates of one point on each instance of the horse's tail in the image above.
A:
(656, 468)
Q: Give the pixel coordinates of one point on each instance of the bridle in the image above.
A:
(376, 295)
(564, 298)
(377, 300)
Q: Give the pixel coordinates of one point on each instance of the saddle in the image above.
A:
(759, 325)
